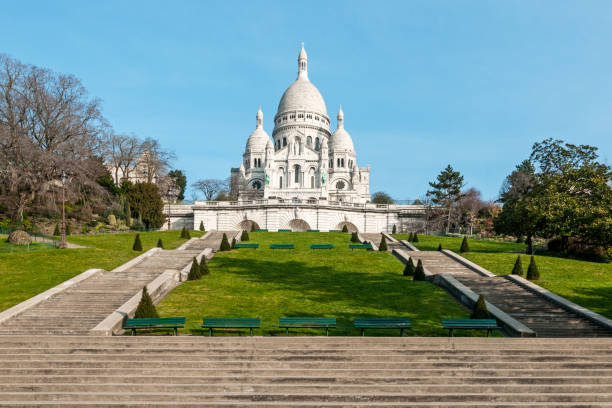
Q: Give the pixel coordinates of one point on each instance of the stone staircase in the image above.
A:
(304, 371)
(212, 240)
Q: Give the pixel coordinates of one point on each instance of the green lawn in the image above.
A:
(25, 274)
(588, 284)
(337, 283)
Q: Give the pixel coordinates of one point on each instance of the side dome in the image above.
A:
(259, 139)
(341, 140)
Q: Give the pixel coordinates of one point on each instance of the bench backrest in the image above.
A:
(284, 230)
(321, 246)
(312, 230)
(281, 246)
(246, 246)
(398, 322)
(469, 323)
(307, 321)
(261, 230)
(360, 246)
(154, 321)
(231, 321)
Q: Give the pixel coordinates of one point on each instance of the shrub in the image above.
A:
(410, 237)
(56, 231)
(419, 272)
(532, 272)
(383, 244)
(194, 272)
(244, 236)
(415, 238)
(345, 228)
(465, 247)
(160, 244)
(185, 233)
(439, 247)
(394, 230)
(253, 227)
(354, 237)
(234, 242)
(480, 309)
(409, 268)
(146, 308)
(112, 220)
(518, 267)
(137, 244)
(201, 225)
(225, 246)
(204, 267)
(67, 229)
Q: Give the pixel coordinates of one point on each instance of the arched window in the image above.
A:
(284, 141)
(297, 173)
(317, 144)
(257, 185)
(309, 141)
(280, 182)
(278, 145)
(312, 182)
(331, 163)
(338, 162)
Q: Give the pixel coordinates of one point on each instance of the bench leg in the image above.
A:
(133, 332)
(327, 331)
(251, 329)
(362, 332)
(488, 331)
(402, 332)
(286, 331)
(210, 332)
(175, 331)
(450, 332)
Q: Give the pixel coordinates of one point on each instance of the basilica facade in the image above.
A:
(303, 159)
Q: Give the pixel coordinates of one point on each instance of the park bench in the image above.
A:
(322, 246)
(360, 246)
(154, 323)
(382, 323)
(307, 323)
(284, 230)
(211, 323)
(254, 246)
(470, 324)
(281, 246)
(312, 230)
(261, 230)
(335, 230)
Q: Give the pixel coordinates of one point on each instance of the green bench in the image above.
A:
(307, 323)
(154, 323)
(261, 230)
(211, 323)
(360, 246)
(401, 323)
(335, 230)
(312, 230)
(322, 246)
(281, 246)
(470, 324)
(284, 230)
(254, 246)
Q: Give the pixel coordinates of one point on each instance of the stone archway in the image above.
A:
(248, 225)
(298, 225)
(351, 227)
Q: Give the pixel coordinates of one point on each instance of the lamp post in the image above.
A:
(169, 199)
(427, 213)
(63, 244)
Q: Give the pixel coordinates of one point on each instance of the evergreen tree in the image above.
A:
(383, 244)
(354, 237)
(253, 227)
(57, 231)
(439, 247)
(225, 246)
(415, 238)
(244, 236)
(137, 244)
(411, 237)
(233, 242)
(185, 233)
(344, 228)
(194, 272)
(446, 191)
(532, 272)
(394, 231)
(204, 267)
(145, 308)
(180, 181)
(146, 201)
(464, 246)
(419, 272)
(480, 309)
(409, 268)
(518, 267)
(160, 244)
(202, 226)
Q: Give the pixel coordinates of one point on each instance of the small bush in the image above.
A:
(204, 267)
(518, 267)
(409, 268)
(112, 220)
(383, 244)
(419, 272)
(137, 244)
(253, 227)
(394, 231)
(145, 308)
(415, 238)
(345, 228)
(225, 246)
(480, 309)
(354, 237)
(185, 233)
(410, 237)
(244, 236)
(202, 226)
(233, 242)
(160, 244)
(532, 272)
(439, 247)
(56, 231)
(465, 247)
(194, 272)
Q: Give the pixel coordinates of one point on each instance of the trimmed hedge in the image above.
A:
(145, 308)
(137, 243)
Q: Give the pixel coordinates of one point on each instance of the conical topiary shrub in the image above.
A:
(419, 272)
(202, 226)
(225, 245)
(480, 309)
(233, 242)
(518, 267)
(465, 247)
(410, 237)
(415, 238)
(439, 247)
(204, 267)
(394, 230)
(253, 227)
(145, 308)
(185, 233)
(345, 228)
(160, 244)
(354, 237)
(409, 268)
(137, 244)
(194, 272)
(383, 244)
(56, 231)
(244, 236)
(532, 272)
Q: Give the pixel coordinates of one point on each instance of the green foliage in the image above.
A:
(194, 272)
(137, 244)
(244, 237)
(56, 231)
(446, 190)
(146, 202)
(410, 237)
(518, 267)
(180, 180)
(465, 247)
(160, 244)
(533, 274)
(480, 309)
(419, 272)
(233, 242)
(380, 197)
(383, 244)
(225, 246)
(344, 228)
(185, 233)
(67, 229)
(107, 182)
(409, 268)
(354, 237)
(439, 247)
(394, 231)
(202, 226)
(253, 227)
(204, 267)
(145, 308)
(415, 237)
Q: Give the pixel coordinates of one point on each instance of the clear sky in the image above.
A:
(422, 83)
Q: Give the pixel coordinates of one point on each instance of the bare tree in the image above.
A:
(470, 204)
(122, 154)
(154, 160)
(209, 187)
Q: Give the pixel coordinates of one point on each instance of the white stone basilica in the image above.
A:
(303, 160)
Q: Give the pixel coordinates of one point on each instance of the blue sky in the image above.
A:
(422, 83)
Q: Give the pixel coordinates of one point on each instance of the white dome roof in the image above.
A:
(259, 139)
(341, 140)
(302, 95)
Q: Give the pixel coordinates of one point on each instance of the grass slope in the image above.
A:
(337, 283)
(25, 274)
(588, 284)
